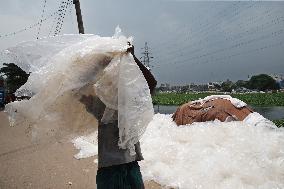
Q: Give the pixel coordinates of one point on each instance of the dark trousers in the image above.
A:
(124, 176)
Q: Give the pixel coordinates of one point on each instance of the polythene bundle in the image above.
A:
(61, 64)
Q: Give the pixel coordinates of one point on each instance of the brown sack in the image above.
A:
(220, 109)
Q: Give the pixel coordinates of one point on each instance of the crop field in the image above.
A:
(255, 99)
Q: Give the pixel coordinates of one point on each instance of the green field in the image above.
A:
(279, 123)
(254, 99)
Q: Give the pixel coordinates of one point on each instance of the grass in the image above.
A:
(255, 99)
(279, 123)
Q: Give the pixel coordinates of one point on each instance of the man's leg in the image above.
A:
(134, 176)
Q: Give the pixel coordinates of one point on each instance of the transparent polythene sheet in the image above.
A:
(63, 64)
(123, 87)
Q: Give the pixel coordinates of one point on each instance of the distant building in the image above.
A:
(212, 86)
(164, 87)
(279, 79)
(198, 87)
(281, 84)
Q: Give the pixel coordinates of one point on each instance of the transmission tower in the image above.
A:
(146, 56)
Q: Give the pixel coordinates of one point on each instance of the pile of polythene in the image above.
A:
(237, 154)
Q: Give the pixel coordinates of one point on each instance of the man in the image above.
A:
(117, 169)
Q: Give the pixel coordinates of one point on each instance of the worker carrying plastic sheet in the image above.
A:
(118, 167)
(62, 69)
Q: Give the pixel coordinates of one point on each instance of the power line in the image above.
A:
(237, 37)
(255, 29)
(250, 51)
(28, 27)
(207, 28)
(71, 15)
(61, 15)
(43, 10)
(53, 24)
(202, 26)
(207, 31)
(238, 45)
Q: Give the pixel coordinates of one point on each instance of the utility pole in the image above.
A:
(79, 16)
(146, 58)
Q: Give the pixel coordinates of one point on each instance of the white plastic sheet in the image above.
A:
(236, 102)
(135, 109)
(123, 87)
(213, 154)
(69, 63)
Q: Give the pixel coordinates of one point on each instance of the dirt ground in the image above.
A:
(45, 164)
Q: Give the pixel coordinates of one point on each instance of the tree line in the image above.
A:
(13, 76)
(261, 82)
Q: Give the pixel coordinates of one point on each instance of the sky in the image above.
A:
(191, 41)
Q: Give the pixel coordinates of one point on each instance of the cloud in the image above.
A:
(190, 40)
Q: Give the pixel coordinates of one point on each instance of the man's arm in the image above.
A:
(147, 74)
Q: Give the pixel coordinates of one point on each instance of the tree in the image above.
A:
(227, 86)
(217, 86)
(241, 83)
(262, 82)
(15, 76)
